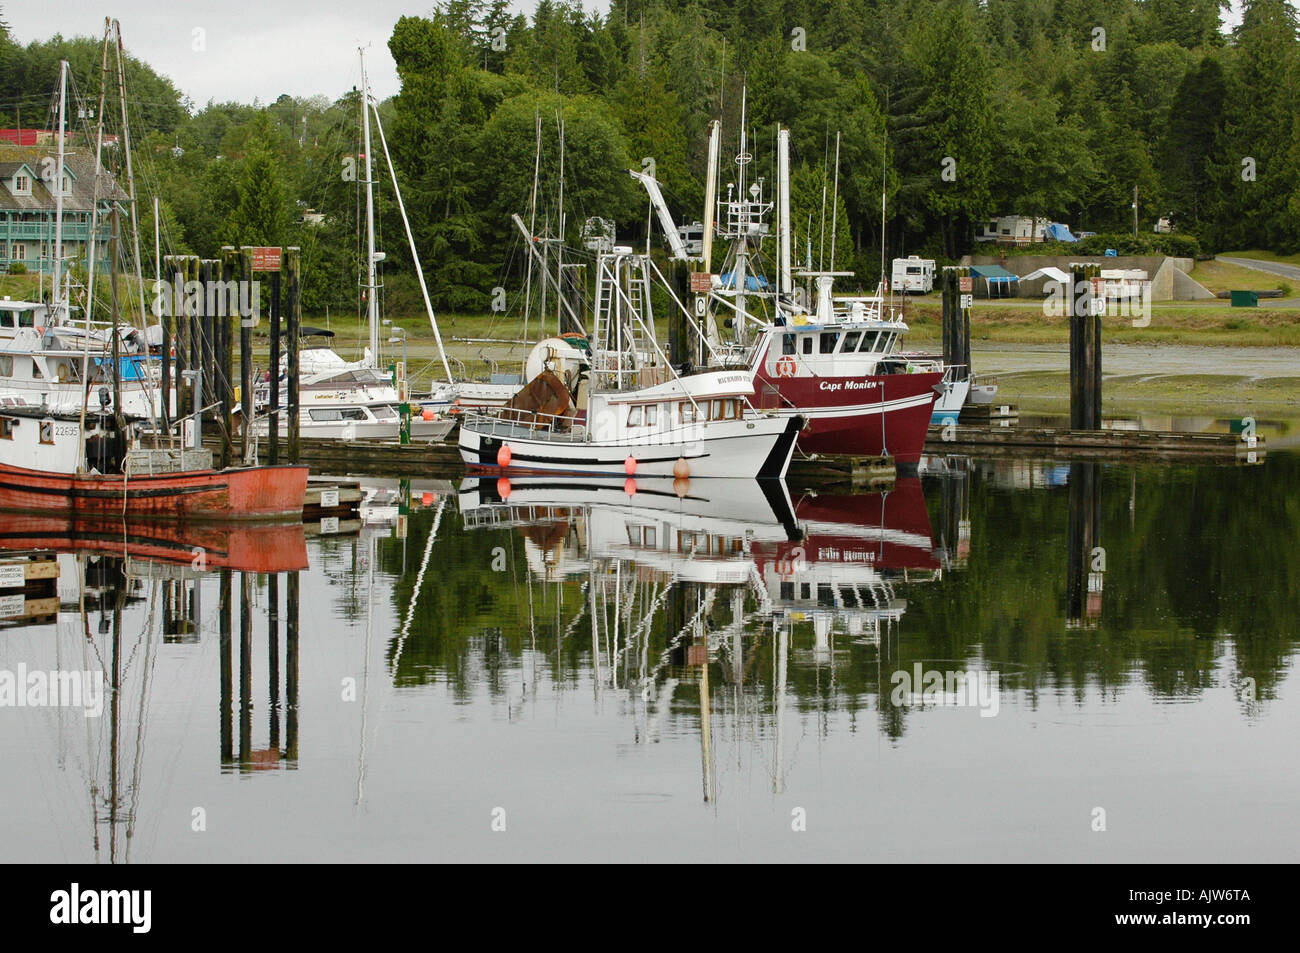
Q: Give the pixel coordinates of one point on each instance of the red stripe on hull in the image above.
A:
(253, 493)
(857, 428)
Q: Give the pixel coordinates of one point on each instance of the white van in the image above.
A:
(913, 275)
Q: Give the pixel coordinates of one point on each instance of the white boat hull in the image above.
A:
(753, 448)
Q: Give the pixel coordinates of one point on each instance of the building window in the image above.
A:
(20, 252)
(22, 184)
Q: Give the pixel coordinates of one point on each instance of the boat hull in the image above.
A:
(269, 547)
(252, 493)
(762, 450)
(871, 415)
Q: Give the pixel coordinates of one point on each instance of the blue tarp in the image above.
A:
(752, 282)
(1060, 233)
(129, 368)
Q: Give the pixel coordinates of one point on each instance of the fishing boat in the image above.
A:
(54, 462)
(837, 363)
(632, 413)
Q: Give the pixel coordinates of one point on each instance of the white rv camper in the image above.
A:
(913, 275)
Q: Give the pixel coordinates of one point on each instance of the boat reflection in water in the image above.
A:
(103, 600)
(687, 581)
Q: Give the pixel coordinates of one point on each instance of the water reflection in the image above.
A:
(606, 637)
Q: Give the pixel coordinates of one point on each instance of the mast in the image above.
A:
(835, 198)
(130, 174)
(742, 249)
(532, 223)
(784, 280)
(559, 248)
(58, 191)
(711, 193)
(372, 302)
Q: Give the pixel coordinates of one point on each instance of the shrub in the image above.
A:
(17, 268)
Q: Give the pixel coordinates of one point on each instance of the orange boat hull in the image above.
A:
(251, 493)
(276, 547)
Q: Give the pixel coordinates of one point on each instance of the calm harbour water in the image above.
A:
(743, 693)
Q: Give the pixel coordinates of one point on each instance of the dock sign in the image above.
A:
(701, 282)
(266, 257)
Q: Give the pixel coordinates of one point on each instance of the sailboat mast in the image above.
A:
(559, 248)
(742, 247)
(58, 191)
(130, 174)
(372, 302)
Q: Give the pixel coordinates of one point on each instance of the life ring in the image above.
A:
(785, 366)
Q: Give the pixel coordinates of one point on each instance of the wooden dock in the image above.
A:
(1114, 446)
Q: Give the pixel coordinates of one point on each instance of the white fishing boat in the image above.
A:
(342, 400)
(641, 418)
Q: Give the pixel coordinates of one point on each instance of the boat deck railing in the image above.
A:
(509, 422)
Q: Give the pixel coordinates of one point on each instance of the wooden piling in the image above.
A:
(245, 669)
(231, 270)
(291, 631)
(165, 321)
(1085, 351)
(273, 418)
(246, 353)
(180, 360)
(273, 655)
(292, 262)
(194, 339)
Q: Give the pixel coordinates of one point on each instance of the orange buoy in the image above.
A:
(681, 469)
(428, 413)
(427, 499)
(504, 455)
(629, 486)
(503, 488)
(681, 486)
(629, 465)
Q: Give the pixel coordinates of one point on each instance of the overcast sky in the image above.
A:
(252, 48)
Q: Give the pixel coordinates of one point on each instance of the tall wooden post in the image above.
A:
(195, 338)
(245, 669)
(1085, 350)
(230, 272)
(167, 301)
(273, 418)
(679, 335)
(964, 272)
(292, 263)
(246, 352)
(180, 306)
(273, 656)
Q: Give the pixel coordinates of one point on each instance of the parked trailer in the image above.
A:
(913, 275)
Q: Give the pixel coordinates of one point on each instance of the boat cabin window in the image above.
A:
(642, 535)
(723, 409)
(383, 411)
(325, 413)
(7, 319)
(687, 411)
(7, 428)
(829, 340)
(6, 365)
(787, 343)
(807, 343)
(868, 342)
(851, 341)
(652, 415)
(47, 431)
(36, 370)
(634, 414)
